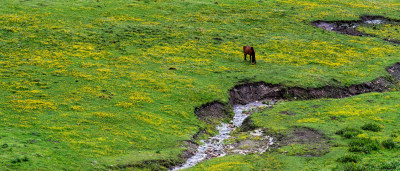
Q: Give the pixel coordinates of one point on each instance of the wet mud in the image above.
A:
(191, 147)
(394, 71)
(349, 27)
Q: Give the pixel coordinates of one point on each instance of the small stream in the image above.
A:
(349, 27)
(214, 146)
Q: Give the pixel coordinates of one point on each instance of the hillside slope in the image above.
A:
(102, 83)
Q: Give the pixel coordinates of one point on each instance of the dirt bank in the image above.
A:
(244, 93)
(213, 110)
(316, 140)
(349, 27)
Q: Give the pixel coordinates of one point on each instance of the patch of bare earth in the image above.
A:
(315, 142)
(349, 27)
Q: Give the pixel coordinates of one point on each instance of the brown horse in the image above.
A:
(250, 50)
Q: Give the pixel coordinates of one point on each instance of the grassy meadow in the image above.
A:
(94, 84)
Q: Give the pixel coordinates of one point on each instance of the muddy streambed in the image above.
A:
(215, 147)
(350, 27)
(245, 99)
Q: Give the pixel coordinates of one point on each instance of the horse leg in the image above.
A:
(245, 56)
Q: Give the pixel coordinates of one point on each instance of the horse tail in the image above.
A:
(253, 56)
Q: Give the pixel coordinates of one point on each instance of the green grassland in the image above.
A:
(90, 83)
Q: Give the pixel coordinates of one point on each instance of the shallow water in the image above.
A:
(374, 21)
(332, 26)
(214, 147)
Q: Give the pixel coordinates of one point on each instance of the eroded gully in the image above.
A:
(247, 94)
(214, 146)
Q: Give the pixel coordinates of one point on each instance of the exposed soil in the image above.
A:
(247, 146)
(312, 141)
(350, 27)
(344, 27)
(303, 135)
(394, 71)
(248, 125)
(214, 145)
(377, 85)
(249, 92)
(213, 110)
(244, 93)
(191, 149)
(315, 141)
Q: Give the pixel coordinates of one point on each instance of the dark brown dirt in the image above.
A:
(249, 92)
(365, 18)
(191, 149)
(394, 71)
(316, 142)
(349, 27)
(304, 135)
(377, 85)
(344, 27)
(247, 125)
(212, 111)
(245, 93)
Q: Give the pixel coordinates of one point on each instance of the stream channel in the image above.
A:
(214, 146)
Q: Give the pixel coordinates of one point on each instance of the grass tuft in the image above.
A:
(363, 145)
(372, 127)
(389, 144)
(351, 158)
(348, 132)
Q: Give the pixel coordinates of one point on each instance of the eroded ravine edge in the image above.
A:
(248, 92)
(349, 27)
